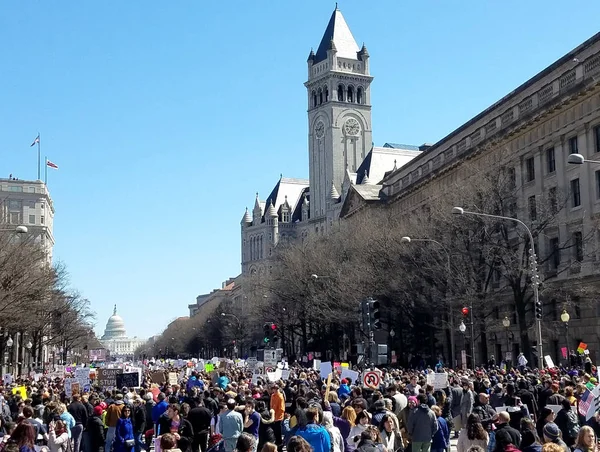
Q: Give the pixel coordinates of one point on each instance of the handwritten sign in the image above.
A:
(107, 378)
(128, 380)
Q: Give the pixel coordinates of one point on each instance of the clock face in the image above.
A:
(352, 127)
(320, 130)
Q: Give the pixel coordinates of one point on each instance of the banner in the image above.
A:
(98, 354)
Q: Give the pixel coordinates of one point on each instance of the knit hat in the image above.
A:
(551, 431)
(413, 399)
(98, 410)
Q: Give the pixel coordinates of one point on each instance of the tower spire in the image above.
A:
(115, 310)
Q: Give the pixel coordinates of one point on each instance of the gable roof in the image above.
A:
(381, 160)
(337, 31)
(292, 188)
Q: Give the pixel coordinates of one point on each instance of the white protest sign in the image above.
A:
(437, 380)
(270, 358)
(316, 364)
(549, 361)
(274, 376)
(8, 379)
(252, 362)
(352, 375)
(285, 375)
(82, 375)
(69, 387)
(325, 369)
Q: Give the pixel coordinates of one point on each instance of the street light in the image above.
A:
(564, 318)
(578, 159)
(462, 327)
(18, 230)
(535, 278)
(407, 239)
(506, 324)
(9, 342)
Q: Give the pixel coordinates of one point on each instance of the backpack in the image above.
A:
(572, 424)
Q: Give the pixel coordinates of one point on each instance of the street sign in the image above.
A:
(270, 358)
(371, 379)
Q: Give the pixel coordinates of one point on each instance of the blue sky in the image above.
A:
(166, 117)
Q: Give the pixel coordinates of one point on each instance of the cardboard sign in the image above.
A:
(325, 369)
(107, 378)
(158, 377)
(172, 378)
(549, 361)
(8, 379)
(582, 346)
(128, 380)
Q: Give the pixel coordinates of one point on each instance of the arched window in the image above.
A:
(314, 98)
(326, 94)
(340, 93)
(359, 95)
(350, 94)
(320, 96)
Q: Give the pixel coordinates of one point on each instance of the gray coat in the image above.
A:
(466, 406)
(456, 393)
(422, 424)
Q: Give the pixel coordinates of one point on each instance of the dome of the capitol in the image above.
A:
(115, 327)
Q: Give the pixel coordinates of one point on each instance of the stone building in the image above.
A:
(28, 203)
(554, 114)
(115, 338)
(341, 153)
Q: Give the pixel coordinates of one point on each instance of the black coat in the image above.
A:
(139, 419)
(95, 429)
(186, 433)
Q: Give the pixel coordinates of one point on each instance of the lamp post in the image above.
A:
(239, 328)
(448, 269)
(564, 318)
(578, 159)
(9, 344)
(463, 328)
(535, 278)
(506, 325)
(28, 346)
(18, 230)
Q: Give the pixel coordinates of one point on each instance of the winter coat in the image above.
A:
(464, 443)
(466, 405)
(422, 424)
(316, 436)
(186, 433)
(441, 439)
(95, 429)
(123, 432)
(58, 443)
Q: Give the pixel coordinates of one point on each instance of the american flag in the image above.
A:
(585, 402)
(36, 141)
(51, 165)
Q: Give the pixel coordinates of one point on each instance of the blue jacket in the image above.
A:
(441, 439)
(316, 436)
(123, 432)
(158, 410)
(343, 391)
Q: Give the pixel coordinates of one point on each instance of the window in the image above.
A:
(553, 200)
(320, 97)
(41, 206)
(530, 168)
(575, 193)
(512, 177)
(15, 218)
(285, 216)
(31, 189)
(550, 161)
(31, 219)
(573, 148)
(14, 204)
(350, 94)
(15, 189)
(597, 137)
(326, 91)
(555, 253)
(578, 242)
(42, 219)
(532, 208)
(314, 97)
(359, 96)
(340, 92)
(554, 309)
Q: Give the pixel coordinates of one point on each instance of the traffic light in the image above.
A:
(465, 311)
(538, 310)
(375, 315)
(267, 333)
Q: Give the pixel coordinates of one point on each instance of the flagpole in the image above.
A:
(39, 156)
(46, 171)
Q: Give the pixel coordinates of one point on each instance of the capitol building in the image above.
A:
(115, 338)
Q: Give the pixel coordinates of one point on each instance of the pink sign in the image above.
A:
(310, 356)
(563, 350)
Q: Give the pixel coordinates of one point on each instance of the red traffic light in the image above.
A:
(465, 311)
(273, 326)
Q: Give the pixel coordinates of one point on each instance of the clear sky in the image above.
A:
(166, 117)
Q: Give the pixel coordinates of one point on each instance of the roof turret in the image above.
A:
(271, 212)
(333, 194)
(247, 217)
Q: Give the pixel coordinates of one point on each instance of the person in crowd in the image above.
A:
(337, 442)
(168, 443)
(124, 432)
(80, 416)
(173, 422)
(506, 433)
(546, 416)
(23, 437)
(474, 434)
(586, 440)
(277, 404)
(95, 430)
(529, 439)
(112, 416)
(422, 426)
(552, 435)
(66, 417)
(298, 444)
(567, 422)
(441, 439)
(231, 425)
(390, 435)
(200, 418)
(314, 433)
(362, 420)
(246, 442)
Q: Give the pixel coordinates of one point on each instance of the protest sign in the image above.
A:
(128, 380)
(350, 375)
(158, 377)
(437, 380)
(172, 378)
(107, 378)
(325, 369)
(549, 361)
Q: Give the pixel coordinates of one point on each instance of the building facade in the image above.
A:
(115, 338)
(535, 128)
(28, 203)
(340, 152)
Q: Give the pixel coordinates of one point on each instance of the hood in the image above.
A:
(119, 402)
(424, 407)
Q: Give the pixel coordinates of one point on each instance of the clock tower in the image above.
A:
(339, 111)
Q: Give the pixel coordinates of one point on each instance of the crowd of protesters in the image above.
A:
(486, 410)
